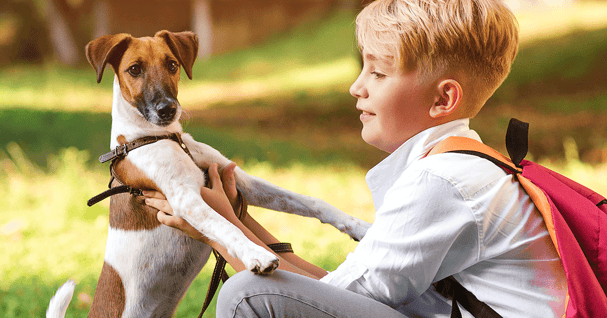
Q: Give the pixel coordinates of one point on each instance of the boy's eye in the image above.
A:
(378, 75)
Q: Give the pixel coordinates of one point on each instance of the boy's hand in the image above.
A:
(165, 215)
(229, 186)
(216, 196)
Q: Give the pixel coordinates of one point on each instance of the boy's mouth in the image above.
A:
(366, 116)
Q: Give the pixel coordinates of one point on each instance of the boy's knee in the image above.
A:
(230, 291)
(233, 293)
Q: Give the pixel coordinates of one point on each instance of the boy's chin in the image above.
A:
(373, 140)
(380, 141)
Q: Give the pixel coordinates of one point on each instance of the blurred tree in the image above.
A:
(24, 33)
(69, 22)
(349, 4)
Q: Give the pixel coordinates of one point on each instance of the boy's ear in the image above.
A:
(449, 97)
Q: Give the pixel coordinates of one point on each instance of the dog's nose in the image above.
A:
(166, 111)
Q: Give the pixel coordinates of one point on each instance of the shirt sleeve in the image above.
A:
(424, 231)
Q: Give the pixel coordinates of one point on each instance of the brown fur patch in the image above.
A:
(110, 296)
(129, 213)
(121, 140)
(130, 175)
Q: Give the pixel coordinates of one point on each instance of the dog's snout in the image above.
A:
(159, 109)
(166, 110)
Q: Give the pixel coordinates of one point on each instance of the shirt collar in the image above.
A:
(414, 149)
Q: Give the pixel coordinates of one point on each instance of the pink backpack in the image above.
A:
(575, 216)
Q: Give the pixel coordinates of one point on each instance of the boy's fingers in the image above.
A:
(229, 180)
(168, 220)
(214, 176)
(228, 172)
(154, 194)
(159, 204)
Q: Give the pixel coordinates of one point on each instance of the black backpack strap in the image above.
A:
(517, 140)
(452, 289)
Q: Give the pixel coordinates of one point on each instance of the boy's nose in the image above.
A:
(357, 89)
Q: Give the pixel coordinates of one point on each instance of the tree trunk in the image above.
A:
(67, 32)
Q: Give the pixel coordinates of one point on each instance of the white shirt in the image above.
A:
(452, 214)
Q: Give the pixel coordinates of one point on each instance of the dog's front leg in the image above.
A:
(188, 205)
(173, 173)
(261, 193)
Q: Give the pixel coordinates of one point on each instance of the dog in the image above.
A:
(148, 267)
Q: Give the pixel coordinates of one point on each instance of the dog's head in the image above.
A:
(147, 69)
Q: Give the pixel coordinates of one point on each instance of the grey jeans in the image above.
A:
(284, 294)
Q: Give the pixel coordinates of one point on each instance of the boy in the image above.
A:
(429, 66)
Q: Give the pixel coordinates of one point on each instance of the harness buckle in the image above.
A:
(121, 151)
(135, 192)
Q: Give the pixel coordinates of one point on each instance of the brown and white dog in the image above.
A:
(147, 266)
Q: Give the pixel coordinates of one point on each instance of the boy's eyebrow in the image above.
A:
(370, 57)
(387, 61)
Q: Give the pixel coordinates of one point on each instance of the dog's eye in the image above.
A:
(173, 66)
(135, 70)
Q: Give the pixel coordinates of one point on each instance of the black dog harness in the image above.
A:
(120, 153)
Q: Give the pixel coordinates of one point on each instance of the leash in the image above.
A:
(119, 153)
(219, 272)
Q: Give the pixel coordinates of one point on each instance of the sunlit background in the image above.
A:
(270, 91)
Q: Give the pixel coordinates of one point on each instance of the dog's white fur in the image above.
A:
(61, 300)
(147, 278)
(180, 180)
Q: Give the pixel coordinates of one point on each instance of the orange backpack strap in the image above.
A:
(471, 146)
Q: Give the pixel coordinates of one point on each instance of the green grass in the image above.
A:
(282, 111)
(43, 132)
(308, 45)
(563, 65)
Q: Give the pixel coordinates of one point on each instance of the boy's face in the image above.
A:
(394, 105)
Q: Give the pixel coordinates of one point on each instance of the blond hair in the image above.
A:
(477, 37)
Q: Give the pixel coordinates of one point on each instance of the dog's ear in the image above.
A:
(106, 49)
(184, 45)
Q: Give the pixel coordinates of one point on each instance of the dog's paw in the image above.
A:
(261, 261)
(357, 229)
